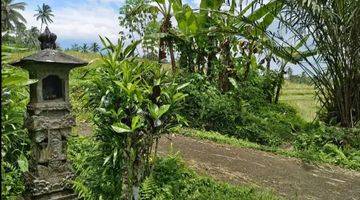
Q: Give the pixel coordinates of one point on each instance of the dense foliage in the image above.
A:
(243, 112)
(14, 139)
(230, 68)
(135, 103)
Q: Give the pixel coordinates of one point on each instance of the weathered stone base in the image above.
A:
(49, 125)
(53, 188)
(54, 195)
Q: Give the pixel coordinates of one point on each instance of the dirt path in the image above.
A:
(288, 177)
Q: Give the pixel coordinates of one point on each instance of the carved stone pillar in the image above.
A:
(49, 120)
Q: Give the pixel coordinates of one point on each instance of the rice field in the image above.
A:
(302, 98)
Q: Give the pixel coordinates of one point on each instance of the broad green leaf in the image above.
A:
(121, 128)
(153, 109)
(178, 96)
(211, 4)
(162, 110)
(265, 9)
(157, 112)
(129, 50)
(135, 122)
(23, 163)
(177, 6)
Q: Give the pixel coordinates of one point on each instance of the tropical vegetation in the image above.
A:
(221, 70)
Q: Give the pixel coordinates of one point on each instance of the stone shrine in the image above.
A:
(49, 120)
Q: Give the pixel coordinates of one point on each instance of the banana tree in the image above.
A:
(163, 8)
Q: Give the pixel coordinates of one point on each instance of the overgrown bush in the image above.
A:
(14, 139)
(134, 103)
(244, 111)
(330, 144)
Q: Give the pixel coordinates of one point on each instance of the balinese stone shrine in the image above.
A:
(49, 120)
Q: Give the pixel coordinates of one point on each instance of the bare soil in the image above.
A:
(288, 177)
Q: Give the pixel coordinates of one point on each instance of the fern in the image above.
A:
(148, 188)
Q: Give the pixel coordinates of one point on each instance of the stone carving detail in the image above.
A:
(49, 171)
(47, 40)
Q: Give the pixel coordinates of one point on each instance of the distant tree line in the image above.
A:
(85, 48)
(302, 78)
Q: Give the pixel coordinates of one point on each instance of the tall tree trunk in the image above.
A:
(210, 58)
(164, 41)
(280, 82)
(172, 56)
(228, 68)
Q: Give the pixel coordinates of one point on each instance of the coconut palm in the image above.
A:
(10, 16)
(95, 47)
(44, 14)
(75, 47)
(84, 48)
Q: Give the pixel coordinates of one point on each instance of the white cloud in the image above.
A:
(113, 1)
(99, 2)
(82, 22)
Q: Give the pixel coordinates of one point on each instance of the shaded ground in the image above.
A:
(288, 177)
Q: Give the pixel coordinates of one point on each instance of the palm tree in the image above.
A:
(163, 8)
(84, 48)
(44, 14)
(75, 47)
(95, 47)
(334, 28)
(10, 15)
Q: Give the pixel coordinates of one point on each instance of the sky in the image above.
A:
(82, 21)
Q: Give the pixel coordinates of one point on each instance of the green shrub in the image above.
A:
(243, 112)
(170, 179)
(93, 181)
(14, 139)
(330, 144)
(134, 103)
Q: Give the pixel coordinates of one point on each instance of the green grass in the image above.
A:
(225, 139)
(302, 98)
